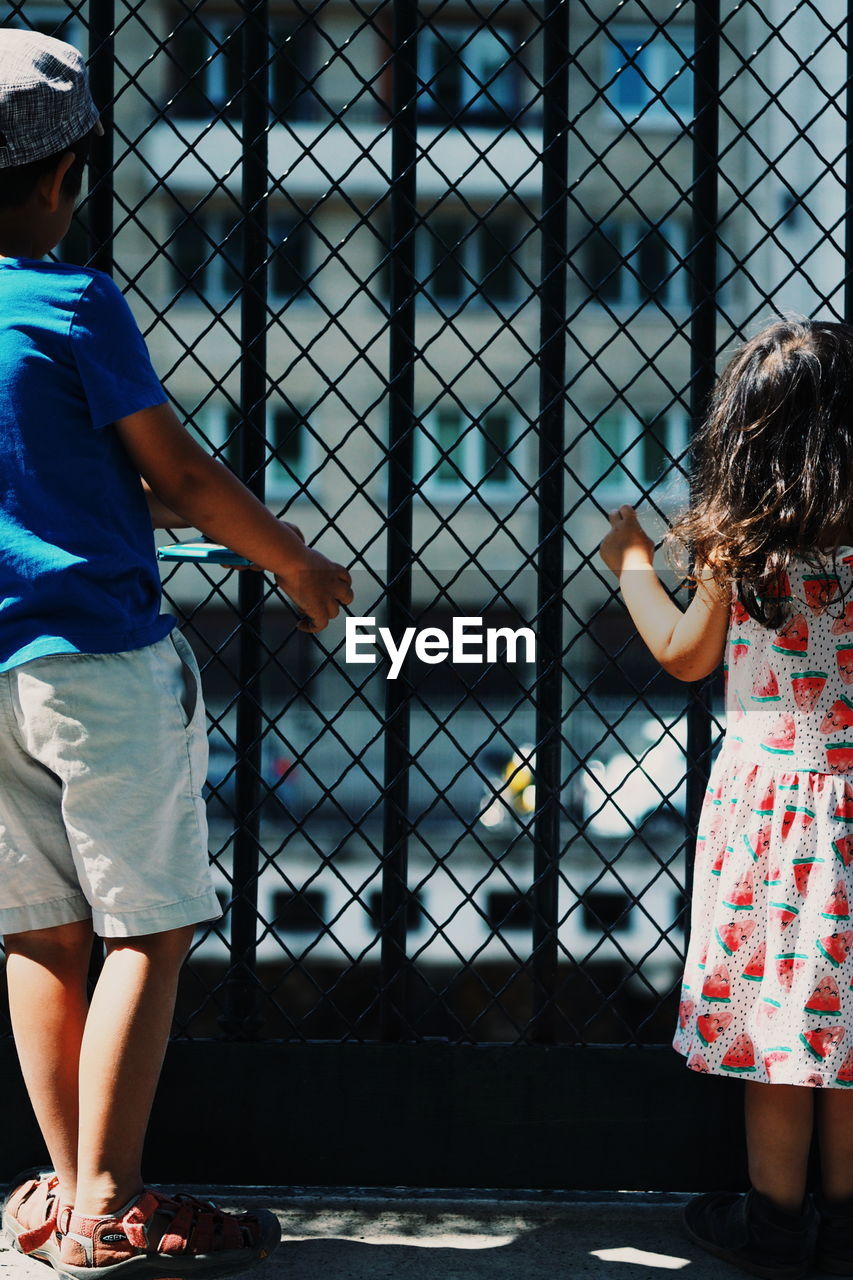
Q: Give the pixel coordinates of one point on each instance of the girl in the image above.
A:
(767, 986)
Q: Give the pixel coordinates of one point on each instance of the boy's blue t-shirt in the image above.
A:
(78, 570)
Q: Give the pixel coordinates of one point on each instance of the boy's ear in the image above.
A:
(50, 185)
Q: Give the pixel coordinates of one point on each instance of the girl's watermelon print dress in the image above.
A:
(768, 984)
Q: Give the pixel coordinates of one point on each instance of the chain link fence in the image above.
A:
(444, 282)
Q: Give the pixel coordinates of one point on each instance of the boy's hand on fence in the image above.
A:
(318, 587)
(627, 545)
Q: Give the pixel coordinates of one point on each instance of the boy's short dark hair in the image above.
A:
(17, 184)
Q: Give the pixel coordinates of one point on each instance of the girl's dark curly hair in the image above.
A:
(774, 462)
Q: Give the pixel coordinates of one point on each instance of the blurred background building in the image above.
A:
(179, 228)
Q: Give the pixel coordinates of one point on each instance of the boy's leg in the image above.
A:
(46, 972)
(779, 1124)
(835, 1137)
(124, 1042)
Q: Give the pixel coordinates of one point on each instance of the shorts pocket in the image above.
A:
(190, 696)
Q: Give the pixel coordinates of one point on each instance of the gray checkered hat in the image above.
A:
(45, 102)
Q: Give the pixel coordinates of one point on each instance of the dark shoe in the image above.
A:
(752, 1233)
(834, 1237)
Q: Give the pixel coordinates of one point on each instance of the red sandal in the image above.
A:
(29, 1215)
(160, 1235)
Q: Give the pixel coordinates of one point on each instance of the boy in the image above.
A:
(102, 745)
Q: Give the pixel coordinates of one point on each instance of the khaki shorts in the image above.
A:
(102, 762)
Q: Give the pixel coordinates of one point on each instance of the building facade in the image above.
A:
(178, 245)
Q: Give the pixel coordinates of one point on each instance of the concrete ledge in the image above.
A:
(355, 1234)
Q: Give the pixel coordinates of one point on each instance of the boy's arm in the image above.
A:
(688, 644)
(207, 496)
(162, 517)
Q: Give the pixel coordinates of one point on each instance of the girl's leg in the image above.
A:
(46, 972)
(835, 1136)
(771, 1230)
(122, 1053)
(779, 1124)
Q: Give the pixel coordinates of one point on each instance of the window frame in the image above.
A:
(212, 79)
(216, 423)
(626, 235)
(472, 258)
(656, 110)
(209, 282)
(491, 114)
(624, 482)
(428, 455)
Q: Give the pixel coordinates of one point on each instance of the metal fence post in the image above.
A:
(401, 427)
(549, 649)
(99, 206)
(241, 1019)
(848, 170)
(702, 264)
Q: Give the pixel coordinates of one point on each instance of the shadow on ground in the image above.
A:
(328, 1238)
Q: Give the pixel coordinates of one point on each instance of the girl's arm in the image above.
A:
(688, 644)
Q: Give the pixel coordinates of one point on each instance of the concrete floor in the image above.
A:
(361, 1236)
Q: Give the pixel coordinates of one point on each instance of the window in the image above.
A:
(508, 909)
(415, 918)
(458, 259)
(51, 20)
(298, 912)
(287, 443)
(290, 254)
(647, 73)
(606, 909)
(632, 453)
(291, 68)
(207, 74)
(456, 452)
(467, 72)
(629, 263)
(206, 256)
(288, 439)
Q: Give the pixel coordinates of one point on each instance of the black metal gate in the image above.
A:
(445, 282)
